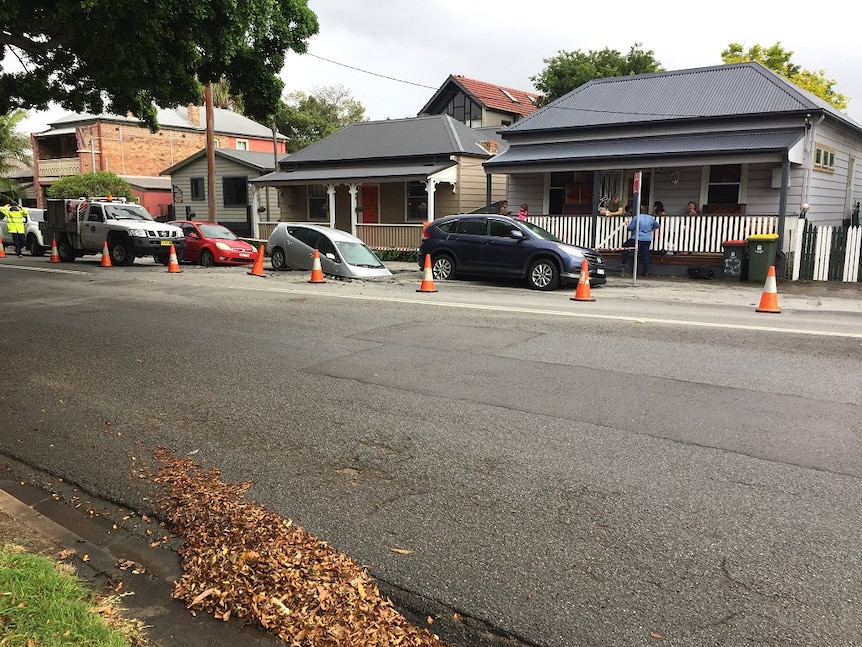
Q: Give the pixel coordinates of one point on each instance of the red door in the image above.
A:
(370, 204)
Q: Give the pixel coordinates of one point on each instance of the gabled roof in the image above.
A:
(414, 137)
(739, 90)
(261, 162)
(489, 95)
(225, 122)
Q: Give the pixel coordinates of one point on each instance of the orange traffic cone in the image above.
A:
(173, 263)
(2, 250)
(106, 256)
(427, 284)
(769, 299)
(55, 256)
(316, 270)
(257, 268)
(582, 293)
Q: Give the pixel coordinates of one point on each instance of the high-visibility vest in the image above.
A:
(15, 220)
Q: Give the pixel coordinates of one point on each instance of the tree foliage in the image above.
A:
(778, 59)
(101, 183)
(14, 152)
(305, 118)
(569, 70)
(125, 56)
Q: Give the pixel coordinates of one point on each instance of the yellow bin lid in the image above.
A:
(763, 237)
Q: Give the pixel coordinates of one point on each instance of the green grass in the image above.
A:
(42, 603)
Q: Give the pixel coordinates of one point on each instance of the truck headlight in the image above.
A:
(140, 233)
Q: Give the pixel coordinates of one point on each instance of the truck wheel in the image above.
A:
(33, 245)
(120, 253)
(65, 251)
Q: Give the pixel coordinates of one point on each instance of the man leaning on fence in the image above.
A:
(641, 227)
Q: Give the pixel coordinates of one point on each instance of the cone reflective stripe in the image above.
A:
(106, 256)
(316, 270)
(173, 264)
(582, 293)
(427, 284)
(55, 256)
(257, 268)
(769, 299)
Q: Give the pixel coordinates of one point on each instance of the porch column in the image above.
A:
(330, 191)
(353, 188)
(781, 270)
(430, 189)
(255, 216)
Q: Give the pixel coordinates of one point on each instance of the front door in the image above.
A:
(370, 204)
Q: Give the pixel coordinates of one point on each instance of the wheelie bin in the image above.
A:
(762, 250)
(735, 260)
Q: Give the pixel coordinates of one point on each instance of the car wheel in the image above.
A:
(120, 254)
(65, 251)
(164, 259)
(33, 245)
(278, 259)
(206, 258)
(443, 267)
(543, 275)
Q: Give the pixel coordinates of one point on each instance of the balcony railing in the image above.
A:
(59, 167)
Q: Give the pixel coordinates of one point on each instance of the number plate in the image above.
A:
(600, 272)
(244, 255)
(166, 243)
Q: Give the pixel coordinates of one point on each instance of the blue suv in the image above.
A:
(495, 246)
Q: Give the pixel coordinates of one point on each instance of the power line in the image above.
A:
(358, 69)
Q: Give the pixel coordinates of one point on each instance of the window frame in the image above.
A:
(237, 179)
(824, 158)
(202, 183)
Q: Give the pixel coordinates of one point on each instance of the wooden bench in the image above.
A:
(662, 264)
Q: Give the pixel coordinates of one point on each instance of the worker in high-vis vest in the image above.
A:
(16, 218)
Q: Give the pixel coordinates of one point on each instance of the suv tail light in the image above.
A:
(425, 234)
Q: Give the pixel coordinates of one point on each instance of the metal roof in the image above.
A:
(436, 135)
(763, 141)
(253, 159)
(322, 175)
(710, 92)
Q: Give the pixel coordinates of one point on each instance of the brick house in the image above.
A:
(81, 143)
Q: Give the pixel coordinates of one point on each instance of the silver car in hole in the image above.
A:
(291, 247)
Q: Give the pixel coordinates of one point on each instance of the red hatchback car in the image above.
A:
(208, 243)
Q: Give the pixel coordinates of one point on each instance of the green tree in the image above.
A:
(101, 183)
(778, 59)
(122, 56)
(569, 70)
(305, 119)
(14, 152)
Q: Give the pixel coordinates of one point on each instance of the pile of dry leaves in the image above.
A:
(239, 560)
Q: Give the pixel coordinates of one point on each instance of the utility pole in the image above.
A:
(211, 193)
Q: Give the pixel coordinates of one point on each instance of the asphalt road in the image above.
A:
(649, 468)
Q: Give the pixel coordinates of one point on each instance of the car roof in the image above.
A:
(334, 234)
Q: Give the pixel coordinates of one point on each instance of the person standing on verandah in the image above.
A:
(641, 227)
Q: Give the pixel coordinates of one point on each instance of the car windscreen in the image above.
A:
(357, 254)
(127, 212)
(218, 231)
(537, 231)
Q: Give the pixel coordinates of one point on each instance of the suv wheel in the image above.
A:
(119, 250)
(543, 275)
(443, 267)
(33, 245)
(65, 251)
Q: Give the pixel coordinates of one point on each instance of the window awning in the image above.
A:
(358, 174)
(632, 151)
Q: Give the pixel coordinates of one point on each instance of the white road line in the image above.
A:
(50, 270)
(555, 313)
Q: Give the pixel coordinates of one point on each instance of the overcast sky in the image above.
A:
(392, 55)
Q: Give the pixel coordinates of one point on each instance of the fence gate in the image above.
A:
(829, 254)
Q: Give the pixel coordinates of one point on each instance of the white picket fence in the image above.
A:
(824, 253)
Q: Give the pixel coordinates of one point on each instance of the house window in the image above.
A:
(724, 184)
(242, 144)
(235, 190)
(198, 188)
(318, 202)
(824, 158)
(465, 110)
(417, 202)
(216, 143)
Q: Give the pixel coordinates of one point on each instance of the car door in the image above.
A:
(466, 240)
(299, 251)
(94, 231)
(503, 254)
(192, 251)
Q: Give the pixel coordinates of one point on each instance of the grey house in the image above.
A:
(737, 140)
(382, 179)
(240, 205)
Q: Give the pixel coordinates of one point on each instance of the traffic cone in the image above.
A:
(173, 264)
(2, 250)
(316, 271)
(769, 299)
(427, 284)
(257, 268)
(106, 256)
(582, 293)
(55, 256)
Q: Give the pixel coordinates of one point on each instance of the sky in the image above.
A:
(392, 55)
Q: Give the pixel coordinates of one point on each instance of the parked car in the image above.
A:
(208, 244)
(495, 246)
(33, 235)
(291, 247)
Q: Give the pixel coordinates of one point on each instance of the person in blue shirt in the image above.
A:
(641, 227)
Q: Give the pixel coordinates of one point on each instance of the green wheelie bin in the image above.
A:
(762, 251)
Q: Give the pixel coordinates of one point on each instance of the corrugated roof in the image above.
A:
(393, 138)
(327, 174)
(256, 160)
(490, 95)
(765, 141)
(710, 92)
(148, 182)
